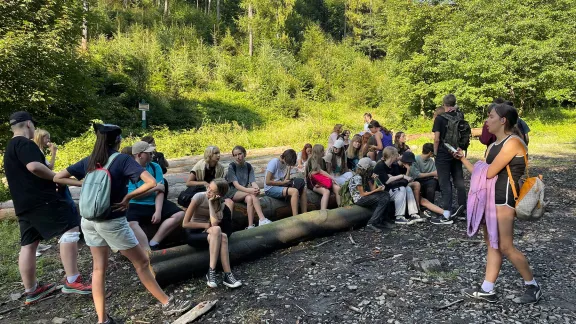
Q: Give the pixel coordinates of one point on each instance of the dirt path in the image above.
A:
(358, 277)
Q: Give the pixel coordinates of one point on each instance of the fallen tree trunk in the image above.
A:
(182, 262)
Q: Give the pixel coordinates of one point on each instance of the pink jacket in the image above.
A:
(481, 203)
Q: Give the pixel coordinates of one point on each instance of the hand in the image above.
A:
(374, 176)
(408, 178)
(156, 218)
(379, 189)
(215, 197)
(256, 191)
(287, 181)
(121, 206)
(458, 154)
(53, 147)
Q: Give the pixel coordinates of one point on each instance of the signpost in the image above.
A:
(144, 107)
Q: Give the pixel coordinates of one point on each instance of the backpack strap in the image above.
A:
(511, 180)
(110, 160)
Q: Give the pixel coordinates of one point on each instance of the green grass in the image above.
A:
(9, 253)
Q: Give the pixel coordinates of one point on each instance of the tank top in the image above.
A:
(386, 139)
(517, 165)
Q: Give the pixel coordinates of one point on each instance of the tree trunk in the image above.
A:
(197, 4)
(85, 27)
(250, 34)
(217, 11)
(208, 6)
(165, 7)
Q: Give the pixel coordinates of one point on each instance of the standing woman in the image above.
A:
(42, 139)
(243, 186)
(508, 151)
(400, 143)
(202, 223)
(113, 232)
(353, 154)
(334, 135)
(303, 156)
(321, 182)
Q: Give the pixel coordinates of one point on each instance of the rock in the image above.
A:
(15, 296)
(510, 296)
(351, 287)
(58, 320)
(432, 265)
(266, 283)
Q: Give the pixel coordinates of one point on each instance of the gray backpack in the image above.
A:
(95, 193)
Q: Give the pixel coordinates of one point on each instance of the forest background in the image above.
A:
(279, 72)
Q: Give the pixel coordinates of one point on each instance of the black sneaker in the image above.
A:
(428, 214)
(230, 281)
(110, 320)
(478, 293)
(211, 278)
(176, 306)
(532, 295)
(372, 228)
(415, 218)
(156, 247)
(460, 213)
(441, 220)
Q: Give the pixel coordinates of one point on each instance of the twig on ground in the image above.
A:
(574, 272)
(300, 308)
(356, 309)
(6, 311)
(318, 245)
(351, 239)
(470, 241)
(450, 304)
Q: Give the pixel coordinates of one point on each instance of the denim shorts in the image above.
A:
(275, 192)
(115, 233)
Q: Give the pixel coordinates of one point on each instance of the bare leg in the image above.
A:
(303, 201)
(69, 255)
(293, 193)
(99, 265)
(426, 203)
(506, 242)
(258, 207)
(27, 264)
(140, 235)
(325, 196)
(214, 238)
(415, 186)
(249, 209)
(493, 260)
(137, 255)
(336, 188)
(168, 226)
(224, 256)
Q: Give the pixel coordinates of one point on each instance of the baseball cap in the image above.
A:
(21, 116)
(339, 144)
(141, 147)
(366, 163)
(408, 157)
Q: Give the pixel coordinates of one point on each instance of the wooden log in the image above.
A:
(195, 312)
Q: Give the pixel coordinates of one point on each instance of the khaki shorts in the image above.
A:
(115, 233)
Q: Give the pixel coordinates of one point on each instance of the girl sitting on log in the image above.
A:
(353, 152)
(206, 222)
(319, 180)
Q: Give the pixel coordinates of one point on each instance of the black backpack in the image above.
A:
(458, 131)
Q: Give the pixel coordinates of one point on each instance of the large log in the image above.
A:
(182, 262)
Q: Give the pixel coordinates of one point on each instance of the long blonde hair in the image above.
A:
(39, 135)
(316, 159)
(352, 152)
(389, 152)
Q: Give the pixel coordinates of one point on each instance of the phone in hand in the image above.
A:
(450, 148)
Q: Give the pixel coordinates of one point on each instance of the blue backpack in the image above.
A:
(95, 193)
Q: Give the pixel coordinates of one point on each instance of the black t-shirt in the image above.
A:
(28, 191)
(209, 174)
(441, 125)
(382, 170)
(122, 169)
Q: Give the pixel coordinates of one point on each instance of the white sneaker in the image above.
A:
(250, 227)
(264, 222)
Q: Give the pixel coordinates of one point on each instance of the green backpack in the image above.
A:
(95, 193)
(345, 196)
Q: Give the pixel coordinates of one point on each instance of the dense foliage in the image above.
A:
(312, 59)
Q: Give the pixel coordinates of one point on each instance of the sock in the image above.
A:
(446, 214)
(73, 278)
(533, 282)
(32, 289)
(154, 243)
(487, 286)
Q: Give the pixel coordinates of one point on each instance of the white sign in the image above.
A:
(144, 106)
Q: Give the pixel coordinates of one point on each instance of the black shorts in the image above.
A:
(143, 213)
(198, 238)
(46, 221)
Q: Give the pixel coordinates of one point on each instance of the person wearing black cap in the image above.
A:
(114, 231)
(41, 212)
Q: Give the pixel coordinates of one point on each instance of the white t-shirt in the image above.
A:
(278, 170)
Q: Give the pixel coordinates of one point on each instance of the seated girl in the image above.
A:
(345, 137)
(205, 225)
(280, 185)
(303, 156)
(320, 181)
(243, 186)
(353, 152)
(400, 143)
(337, 164)
(369, 146)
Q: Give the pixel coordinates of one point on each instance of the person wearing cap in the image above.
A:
(366, 194)
(396, 182)
(41, 212)
(151, 208)
(113, 231)
(337, 163)
(424, 184)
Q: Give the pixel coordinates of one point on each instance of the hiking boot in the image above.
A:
(230, 281)
(441, 220)
(264, 221)
(460, 213)
(42, 291)
(211, 278)
(532, 295)
(76, 287)
(401, 220)
(478, 293)
(372, 228)
(250, 227)
(176, 306)
(415, 218)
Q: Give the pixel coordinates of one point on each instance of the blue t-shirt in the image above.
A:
(156, 171)
(122, 169)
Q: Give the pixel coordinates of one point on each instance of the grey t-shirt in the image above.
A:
(242, 175)
(202, 212)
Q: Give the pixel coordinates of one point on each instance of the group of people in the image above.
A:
(370, 169)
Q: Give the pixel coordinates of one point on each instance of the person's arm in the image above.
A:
(427, 174)
(214, 221)
(149, 183)
(270, 182)
(526, 138)
(53, 150)
(436, 142)
(40, 170)
(378, 146)
(368, 193)
(394, 178)
(65, 178)
(158, 204)
(187, 222)
(193, 182)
